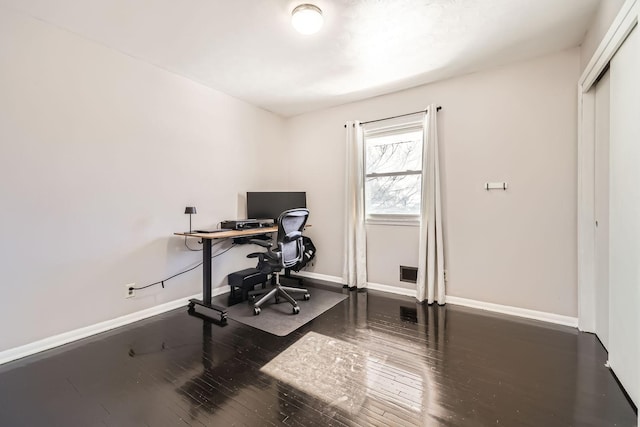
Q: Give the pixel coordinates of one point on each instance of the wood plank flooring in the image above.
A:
(412, 365)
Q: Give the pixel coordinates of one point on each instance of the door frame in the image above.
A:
(622, 25)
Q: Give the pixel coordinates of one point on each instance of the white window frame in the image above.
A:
(392, 219)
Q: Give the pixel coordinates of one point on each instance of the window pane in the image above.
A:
(393, 195)
(394, 153)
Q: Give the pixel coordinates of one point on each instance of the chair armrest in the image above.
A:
(256, 255)
(263, 243)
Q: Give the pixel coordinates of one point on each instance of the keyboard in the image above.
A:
(218, 230)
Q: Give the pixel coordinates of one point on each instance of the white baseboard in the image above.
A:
(373, 286)
(370, 285)
(515, 311)
(77, 334)
(87, 331)
(497, 308)
(319, 276)
(391, 289)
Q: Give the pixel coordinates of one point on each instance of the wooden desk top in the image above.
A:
(231, 233)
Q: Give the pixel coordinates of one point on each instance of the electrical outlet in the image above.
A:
(445, 275)
(130, 293)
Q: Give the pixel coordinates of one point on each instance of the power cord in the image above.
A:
(199, 241)
(161, 282)
(191, 249)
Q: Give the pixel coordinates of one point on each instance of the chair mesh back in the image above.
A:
(290, 226)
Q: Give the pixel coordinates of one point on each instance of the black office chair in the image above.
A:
(288, 251)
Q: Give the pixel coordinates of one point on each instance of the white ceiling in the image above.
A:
(248, 49)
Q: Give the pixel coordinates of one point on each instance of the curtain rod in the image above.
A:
(438, 108)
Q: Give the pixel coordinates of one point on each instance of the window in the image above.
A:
(393, 173)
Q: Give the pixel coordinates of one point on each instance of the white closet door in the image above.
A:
(624, 215)
(602, 208)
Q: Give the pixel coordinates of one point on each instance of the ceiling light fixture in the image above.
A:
(307, 18)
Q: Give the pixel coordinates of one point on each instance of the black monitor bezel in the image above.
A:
(279, 203)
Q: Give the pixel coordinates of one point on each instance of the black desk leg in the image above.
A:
(206, 270)
(206, 287)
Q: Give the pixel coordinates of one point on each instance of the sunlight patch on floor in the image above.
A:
(344, 375)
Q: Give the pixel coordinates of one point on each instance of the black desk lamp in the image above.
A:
(190, 210)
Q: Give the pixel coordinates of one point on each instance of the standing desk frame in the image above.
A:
(207, 239)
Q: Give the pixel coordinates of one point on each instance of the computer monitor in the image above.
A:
(270, 204)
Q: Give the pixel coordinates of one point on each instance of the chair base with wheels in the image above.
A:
(278, 291)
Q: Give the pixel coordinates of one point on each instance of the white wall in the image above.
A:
(515, 123)
(389, 247)
(604, 16)
(99, 155)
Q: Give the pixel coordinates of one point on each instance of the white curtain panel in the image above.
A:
(430, 284)
(355, 263)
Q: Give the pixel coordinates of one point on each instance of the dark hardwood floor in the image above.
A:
(384, 361)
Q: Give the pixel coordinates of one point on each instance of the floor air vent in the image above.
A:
(408, 274)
